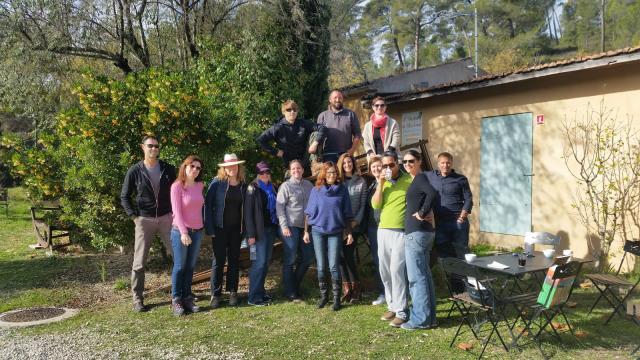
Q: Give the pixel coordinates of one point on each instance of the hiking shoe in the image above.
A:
(259, 303)
(408, 326)
(388, 315)
(177, 308)
(139, 306)
(215, 302)
(294, 299)
(190, 305)
(397, 322)
(379, 301)
(233, 299)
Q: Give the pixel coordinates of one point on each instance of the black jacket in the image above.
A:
(137, 181)
(254, 221)
(292, 139)
(421, 198)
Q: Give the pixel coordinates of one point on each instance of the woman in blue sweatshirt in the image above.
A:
(329, 214)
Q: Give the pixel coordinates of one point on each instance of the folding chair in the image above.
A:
(482, 300)
(609, 284)
(548, 304)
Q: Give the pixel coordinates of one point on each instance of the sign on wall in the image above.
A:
(411, 127)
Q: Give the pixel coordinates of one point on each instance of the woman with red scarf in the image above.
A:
(381, 133)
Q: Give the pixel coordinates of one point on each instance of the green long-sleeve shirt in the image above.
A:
(393, 203)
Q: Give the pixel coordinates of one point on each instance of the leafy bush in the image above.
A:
(220, 105)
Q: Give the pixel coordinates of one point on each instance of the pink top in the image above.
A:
(186, 204)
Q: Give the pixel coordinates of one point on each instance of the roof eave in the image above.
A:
(516, 77)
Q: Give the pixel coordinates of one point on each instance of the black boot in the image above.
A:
(337, 287)
(324, 294)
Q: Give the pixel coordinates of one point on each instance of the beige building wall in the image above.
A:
(453, 123)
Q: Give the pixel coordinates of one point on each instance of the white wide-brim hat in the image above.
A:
(230, 159)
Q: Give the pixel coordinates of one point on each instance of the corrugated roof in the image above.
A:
(517, 74)
(453, 71)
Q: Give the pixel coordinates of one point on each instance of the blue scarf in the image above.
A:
(271, 200)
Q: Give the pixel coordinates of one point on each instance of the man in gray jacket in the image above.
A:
(291, 201)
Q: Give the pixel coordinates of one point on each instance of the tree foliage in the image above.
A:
(219, 105)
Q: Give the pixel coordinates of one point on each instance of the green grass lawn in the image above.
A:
(97, 284)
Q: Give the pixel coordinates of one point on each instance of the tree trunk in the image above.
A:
(416, 45)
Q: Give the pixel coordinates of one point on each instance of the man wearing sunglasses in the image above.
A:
(390, 199)
(291, 136)
(150, 180)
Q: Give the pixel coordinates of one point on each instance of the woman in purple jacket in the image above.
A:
(329, 214)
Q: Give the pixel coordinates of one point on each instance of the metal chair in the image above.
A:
(547, 304)
(609, 284)
(4, 200)
(543, 238)
(477, 299)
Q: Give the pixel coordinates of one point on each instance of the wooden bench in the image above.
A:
(4, 200)
(47, 226)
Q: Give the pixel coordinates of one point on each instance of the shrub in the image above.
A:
(220, 105)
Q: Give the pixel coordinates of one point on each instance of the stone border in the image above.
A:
(7, 324)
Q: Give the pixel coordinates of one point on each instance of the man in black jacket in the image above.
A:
(291, 136)
(151, 181)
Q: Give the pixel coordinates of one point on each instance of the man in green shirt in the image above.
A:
(390, 198)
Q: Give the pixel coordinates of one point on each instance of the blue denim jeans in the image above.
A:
(297, 258)
(372, 235)
(452, 240)
(327, 248)
(184, 262)
(417, 246)
(260, 266)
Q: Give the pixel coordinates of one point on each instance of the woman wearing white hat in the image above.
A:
(223, 208)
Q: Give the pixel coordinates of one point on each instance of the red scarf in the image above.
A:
(379, 122)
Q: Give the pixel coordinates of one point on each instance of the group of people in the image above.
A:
(402, 214)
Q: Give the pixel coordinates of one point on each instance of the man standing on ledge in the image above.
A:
(342, 128)
(151, 181)
(452, 207)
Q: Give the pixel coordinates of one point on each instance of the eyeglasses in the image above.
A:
(268, 172)
(379, 105)
(388, 166)
(409, 161)
(195, 167)
(151, 146)
(290, 110)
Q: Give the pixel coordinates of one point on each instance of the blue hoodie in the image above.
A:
(329, 209)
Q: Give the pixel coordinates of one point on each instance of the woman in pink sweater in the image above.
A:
(186, 235)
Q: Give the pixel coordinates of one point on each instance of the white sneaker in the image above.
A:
(379, 301)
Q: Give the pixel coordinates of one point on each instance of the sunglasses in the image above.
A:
(379, 105)
(409, 161)
(388, 166)
(290, 110)
(151, 146)
(268, 172)
(195, 167)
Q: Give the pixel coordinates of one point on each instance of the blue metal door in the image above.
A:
(506, 174)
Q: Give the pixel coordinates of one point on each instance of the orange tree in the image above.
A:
(217, 106)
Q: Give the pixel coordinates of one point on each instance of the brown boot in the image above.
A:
(346, 292)
(355, 292)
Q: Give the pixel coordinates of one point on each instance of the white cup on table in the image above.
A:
(470, 257)
(549, 253)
